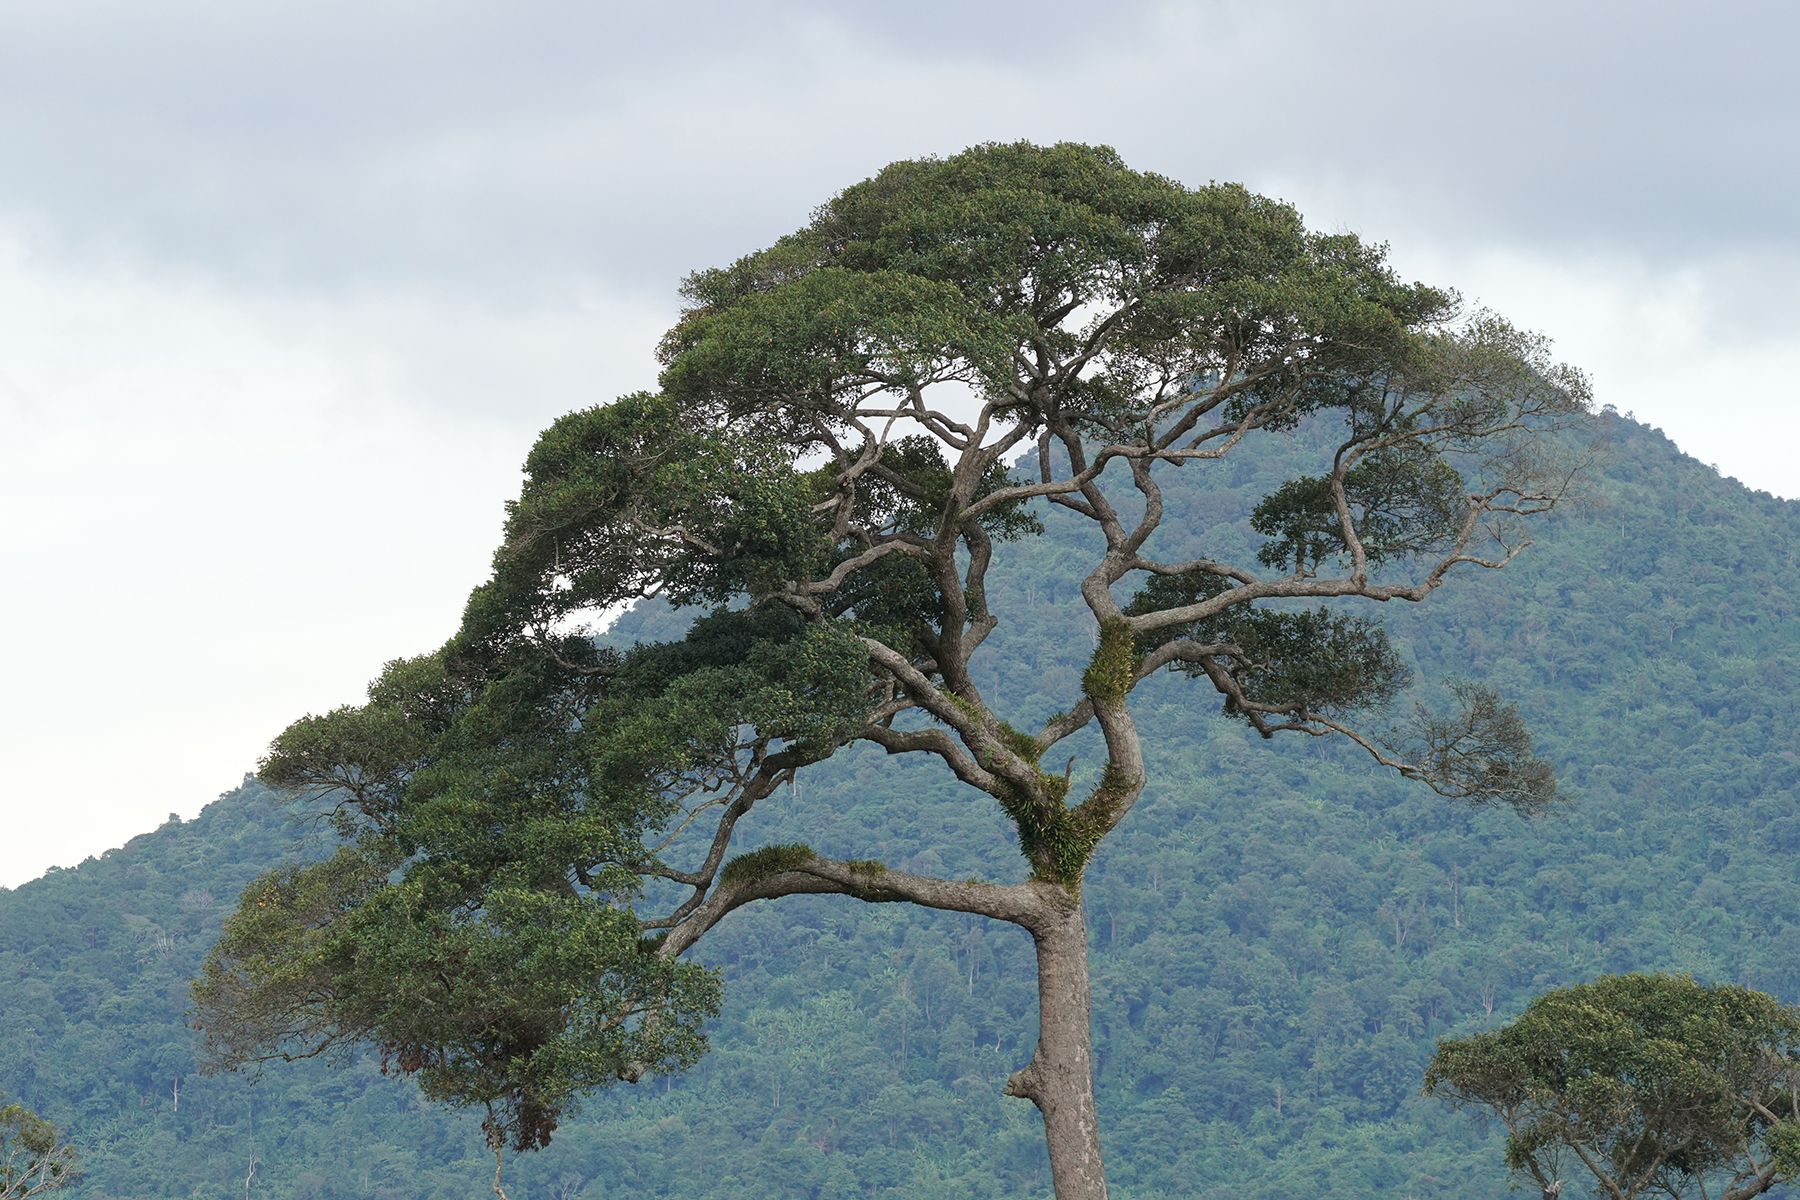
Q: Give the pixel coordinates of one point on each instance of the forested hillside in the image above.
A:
(1280, 930)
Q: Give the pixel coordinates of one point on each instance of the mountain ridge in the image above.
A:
(1262, 1007)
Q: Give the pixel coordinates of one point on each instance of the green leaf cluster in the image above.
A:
(474, 928)
(32, 1159)
(1316, 660)
(1403, 501)
(1654, 1082)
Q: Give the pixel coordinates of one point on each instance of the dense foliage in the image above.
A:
(1263, 1013)
(1650, 1084)
(33, 1159)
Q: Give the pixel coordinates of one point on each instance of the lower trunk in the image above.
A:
(1059, 1079)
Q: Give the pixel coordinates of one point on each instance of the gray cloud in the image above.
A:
(516, 147)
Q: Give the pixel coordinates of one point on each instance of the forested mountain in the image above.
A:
(1280, 930)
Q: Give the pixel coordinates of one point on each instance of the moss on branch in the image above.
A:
(761, 864)
(1115, 661)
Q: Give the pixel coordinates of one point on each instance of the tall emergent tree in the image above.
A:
(1653, 1084)
(825, 466)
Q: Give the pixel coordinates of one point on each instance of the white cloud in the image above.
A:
(225, 509)
(1703, 350)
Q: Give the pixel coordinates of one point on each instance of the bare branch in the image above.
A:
(1028, 904)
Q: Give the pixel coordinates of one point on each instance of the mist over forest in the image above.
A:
(1279, 933)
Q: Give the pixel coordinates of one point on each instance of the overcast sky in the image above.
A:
(286, 289)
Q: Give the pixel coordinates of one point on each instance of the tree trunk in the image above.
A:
(1059, 1079)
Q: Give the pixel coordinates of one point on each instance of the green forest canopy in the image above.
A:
(1262, 1017)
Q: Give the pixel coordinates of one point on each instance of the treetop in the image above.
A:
(1652, 1082)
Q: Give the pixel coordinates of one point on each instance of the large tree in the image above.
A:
(826, 469)
(1652, 1084)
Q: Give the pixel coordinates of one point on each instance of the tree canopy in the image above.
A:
(33, 1160)
(1655, 1084)
(826, 465)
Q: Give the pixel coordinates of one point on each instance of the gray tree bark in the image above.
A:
(1059, 1079)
